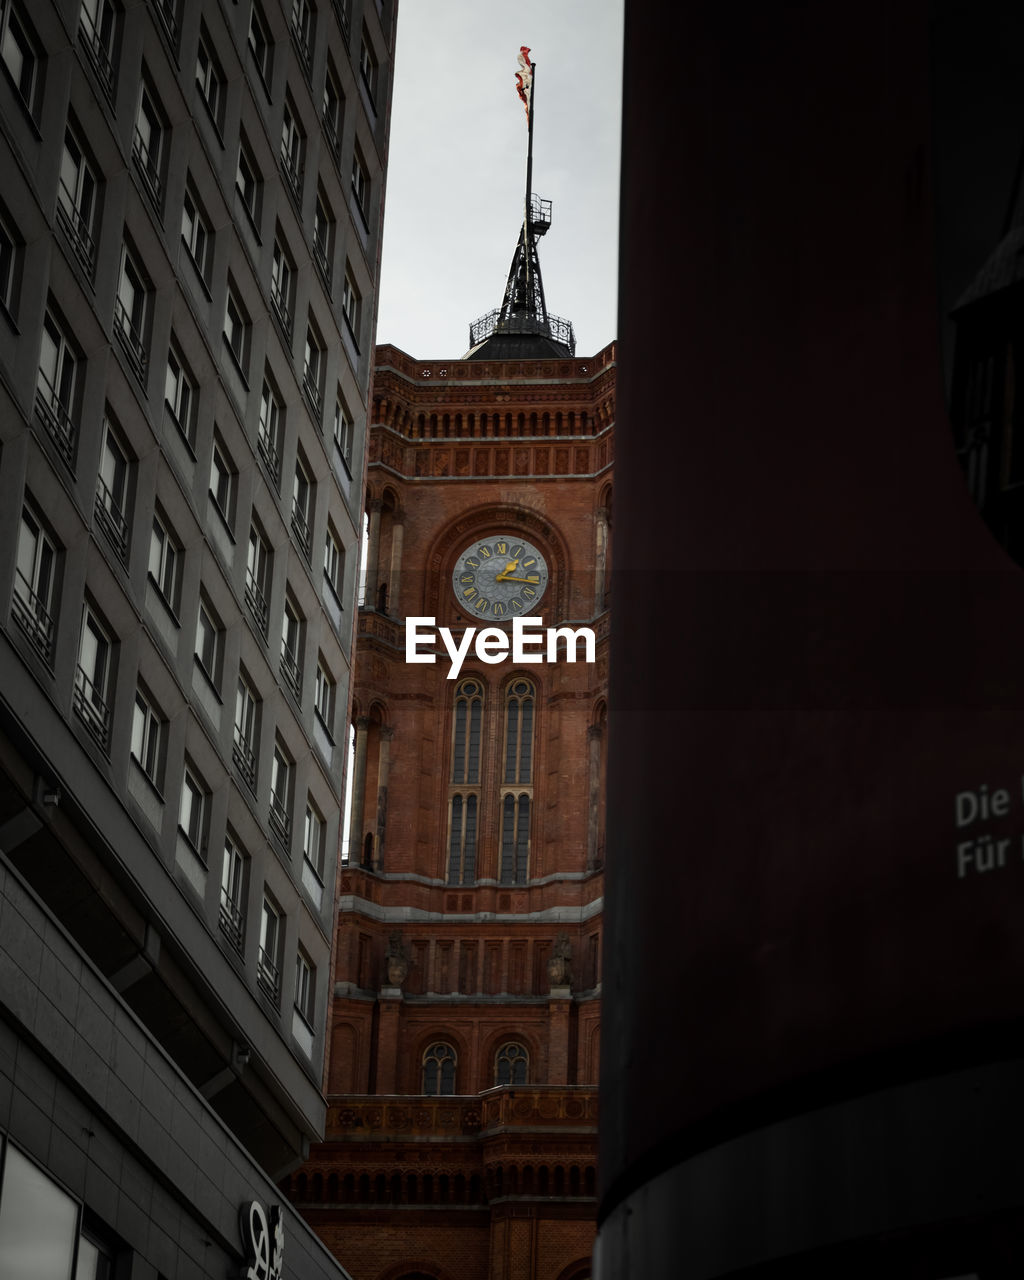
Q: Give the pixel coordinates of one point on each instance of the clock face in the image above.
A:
(498, 577)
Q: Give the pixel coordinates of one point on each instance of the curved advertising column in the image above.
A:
(813, 1046)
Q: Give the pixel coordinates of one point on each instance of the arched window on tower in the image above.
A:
(511, 1064)
(517, 779)
(464, 794)
(439, 1070)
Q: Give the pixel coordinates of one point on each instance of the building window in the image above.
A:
(237, 330)
(38, 1221)
(149, 146)
(343, 430)
(232, 894)
(463, 808)
(77, 201)
(282, 777)
(293, 147)
(304, 31)
(165, 562)
(94, 678)
(249, 183)
(210, 643)
(323, 237)
(223, 481)
(35, 585)
(99, 34)
(518, 771)
(305, 988)
(314, 839)
(519, 702)
(210, 79)
(246, 730)
(282, 285)
(180, 396)
(313, 371)
(149, 734)
(261, 46)
(21, 58)
(194, 813)
(361, 185)
(511, 1064)
(439, 1070)
(293, 631)
(334, 561)
(323, 702)
(257, 577)
(112, 491)
(10, 248)
(197, 234)
(302, 508)
(170, 12)
(350, 306)
(268, 439)
(57, 387)
(131, 313)
(331, 113)
(368, 67)
(268, 970)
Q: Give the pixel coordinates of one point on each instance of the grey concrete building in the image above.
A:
(190, 219)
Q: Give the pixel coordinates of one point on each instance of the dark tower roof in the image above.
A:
(522, 328)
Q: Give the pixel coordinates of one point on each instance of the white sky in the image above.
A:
(457, 166)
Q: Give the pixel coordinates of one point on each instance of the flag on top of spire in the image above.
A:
(524, 78)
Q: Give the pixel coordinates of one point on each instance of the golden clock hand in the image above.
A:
(502, 577)
(507, 577)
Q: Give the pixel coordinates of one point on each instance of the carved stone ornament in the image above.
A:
(559, 963)
(398, 960)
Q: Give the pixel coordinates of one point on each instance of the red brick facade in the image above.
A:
(444, 940)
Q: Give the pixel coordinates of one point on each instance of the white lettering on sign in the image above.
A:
(983, 851)
(263, 1241)
(492, 644)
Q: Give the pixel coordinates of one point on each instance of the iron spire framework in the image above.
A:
(523, 313)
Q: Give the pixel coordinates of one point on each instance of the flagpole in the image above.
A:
(529, 167)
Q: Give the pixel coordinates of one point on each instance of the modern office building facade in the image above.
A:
(189, 240)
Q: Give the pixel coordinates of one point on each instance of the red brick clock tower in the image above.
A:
(461, 1141)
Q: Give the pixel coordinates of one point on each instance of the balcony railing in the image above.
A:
(293, 174)
(280, 818)
(100, 53)
(256, 601)
(111, 519)
(149, 167)
(269, 976)
(70, 218)
(280, 301)
(32, 615)
(232, 922)
(53, 414)
(92, 709)
(291, 672)
(322, 259)
(130, 340)
(245, 758)
(270, 454)
(551, 327)
(303, 534)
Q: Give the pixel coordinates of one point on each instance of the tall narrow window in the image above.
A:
(246, 730)
(98, 30)
(210, 79)
(323, 237)
(302, 508)
(303, 32)
(180, 395)
(249, 182)
(35, 584)
(10, 255)
(511, 1064)
(292, 639)
(517, 778)
(197, 233)
(313, 372)
(77, 201)
(334, 561)
(282, 776)
(464, 799)
(149, 148)
(257, 577)
(343, 430)
(282, 285)
(165, 562)
(293, 149)
(368, 66)
(149, 732)
(351, 306)
(261, 46)
(323, 701)
(314, 844)
(268, 438)
(57, 387)
(232, 894)
(131, 313)
(305, 988)
(237, 330)
(209, 642)
(268, 969)
(194, 811)
(21, 58)
(223, 481)
(331, 112)
(439, 1070)
(112, 492)
(94, 678)
(361, 185)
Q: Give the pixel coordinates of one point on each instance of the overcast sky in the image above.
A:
(457, 166)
